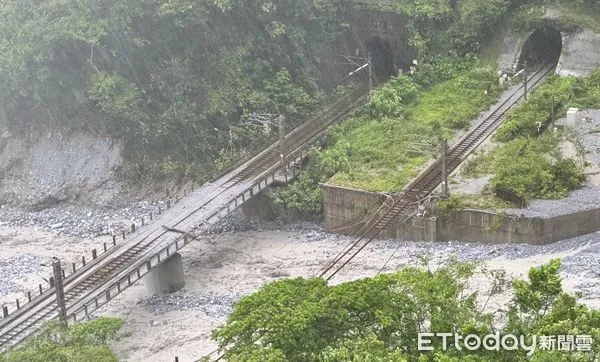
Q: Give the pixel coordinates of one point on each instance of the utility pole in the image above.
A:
(552, 113)
(444, 151)
(370, 63)
(60, 292)
(275, 120)
(281, 120)
(525, 80)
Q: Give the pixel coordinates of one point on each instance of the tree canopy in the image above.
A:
(86, 341)
(174, 79)
(378, 319)
(167, 77)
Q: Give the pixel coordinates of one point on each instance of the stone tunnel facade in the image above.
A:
(578, 55)
(382, 33)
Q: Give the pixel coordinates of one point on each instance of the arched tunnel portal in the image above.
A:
(382, 58)
(543, 46)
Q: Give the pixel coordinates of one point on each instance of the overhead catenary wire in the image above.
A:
(428, 180)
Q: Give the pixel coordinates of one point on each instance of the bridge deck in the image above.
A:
(119, 267)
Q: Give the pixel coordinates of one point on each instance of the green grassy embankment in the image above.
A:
(395, 134)
(527, 162)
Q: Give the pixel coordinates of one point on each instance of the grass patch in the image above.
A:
(579, 15)
(485, 201)
(504, 154)
(529, 163)
(385, 151)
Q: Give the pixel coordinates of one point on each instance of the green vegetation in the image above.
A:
(305, 195)
(527, 162)
(522, 122)
(530, 167)
(171, 78)
(377, 319)
(86, 341)
(459, 201)
(175, 79)
(573, 14)
(383, 148)
(448, 206)
(497, 221)
(456, 26)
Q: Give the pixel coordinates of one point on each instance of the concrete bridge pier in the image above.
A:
(167, 277)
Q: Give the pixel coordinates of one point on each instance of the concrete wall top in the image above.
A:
(345, 206)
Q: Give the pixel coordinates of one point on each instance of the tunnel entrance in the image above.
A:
(382, 58)
(543, 46)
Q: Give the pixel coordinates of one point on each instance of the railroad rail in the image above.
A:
(120, 266)
(407, 201)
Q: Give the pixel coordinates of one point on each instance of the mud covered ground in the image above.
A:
(223, 267)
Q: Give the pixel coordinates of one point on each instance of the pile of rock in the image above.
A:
(214, 305)
(80, 221)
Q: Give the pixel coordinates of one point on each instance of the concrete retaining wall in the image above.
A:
(346, 206)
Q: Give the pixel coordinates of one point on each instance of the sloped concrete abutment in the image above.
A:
(343, 206)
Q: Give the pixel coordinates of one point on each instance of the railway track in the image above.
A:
(301, 136)
(406, 203)
(86, 284)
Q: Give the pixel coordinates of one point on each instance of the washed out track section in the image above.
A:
(406, 203)
(110, 273)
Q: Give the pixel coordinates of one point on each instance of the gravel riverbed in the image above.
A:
(238, 257)
(215, 305)
(80, 221)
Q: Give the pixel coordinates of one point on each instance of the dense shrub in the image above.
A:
(86, 341)
(440, 69)
(530, 167)
(522, 122)
(305, 194)
(378, 319)
(535, 177)
(477, 22)
(169, 78)
(446, 207)
(394, 98)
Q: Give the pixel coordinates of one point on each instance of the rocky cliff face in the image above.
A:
(581, 54)
(38, 171)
